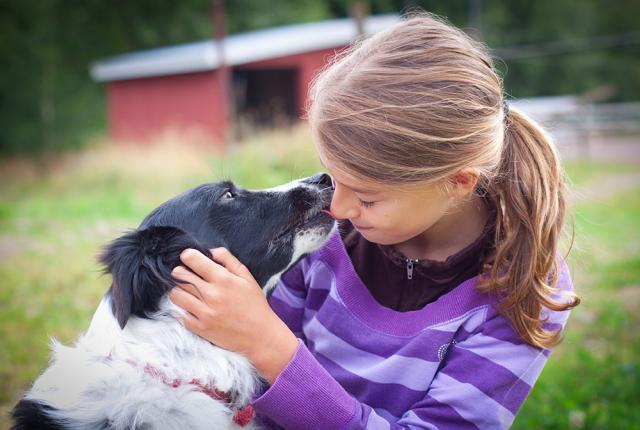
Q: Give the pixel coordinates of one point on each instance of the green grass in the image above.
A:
(593, 377)
(584, 172)
(56, 214)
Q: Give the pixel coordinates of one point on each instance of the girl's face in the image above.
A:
(383, 214)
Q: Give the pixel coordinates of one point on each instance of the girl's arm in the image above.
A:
(470, 391)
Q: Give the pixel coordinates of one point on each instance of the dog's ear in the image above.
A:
(140, 263)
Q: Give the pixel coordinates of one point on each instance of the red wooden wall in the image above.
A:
(140, 109)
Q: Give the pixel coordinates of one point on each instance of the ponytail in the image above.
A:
(530, 189)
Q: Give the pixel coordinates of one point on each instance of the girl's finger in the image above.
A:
(231, 263)
(188, 302)
(191, 323)
(189, 281)
(203, 266)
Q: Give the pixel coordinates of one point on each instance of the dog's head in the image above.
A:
(267, 230)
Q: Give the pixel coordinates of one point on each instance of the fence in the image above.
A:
(609, 131)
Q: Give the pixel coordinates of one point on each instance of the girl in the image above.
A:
(438, 301)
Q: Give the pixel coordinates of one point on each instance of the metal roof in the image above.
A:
(238, 49)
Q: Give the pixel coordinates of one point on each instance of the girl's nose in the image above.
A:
(343, 207)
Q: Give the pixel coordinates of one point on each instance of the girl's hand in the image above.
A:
(228, 308)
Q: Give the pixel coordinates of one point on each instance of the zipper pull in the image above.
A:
(410, 263)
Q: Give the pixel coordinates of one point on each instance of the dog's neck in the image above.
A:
(244, 413)
(163, 343)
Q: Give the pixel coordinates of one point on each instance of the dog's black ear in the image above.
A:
(140, 263)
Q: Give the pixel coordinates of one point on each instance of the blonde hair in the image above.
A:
(418, 102)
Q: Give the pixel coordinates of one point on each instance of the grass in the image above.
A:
(55, 214)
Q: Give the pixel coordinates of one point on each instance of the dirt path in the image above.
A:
(602, 188)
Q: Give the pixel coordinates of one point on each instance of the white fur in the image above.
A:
(305, 240)
(285, 187)
(87, 387)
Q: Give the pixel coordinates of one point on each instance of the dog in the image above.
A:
(137, 367)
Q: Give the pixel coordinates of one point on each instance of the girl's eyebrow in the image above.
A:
(360, 191)
(357, 190)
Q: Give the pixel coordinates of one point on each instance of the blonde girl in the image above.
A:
(439, 299)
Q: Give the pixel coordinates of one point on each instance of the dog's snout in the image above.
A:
(324, 182)
(321, 179)
(302, 199)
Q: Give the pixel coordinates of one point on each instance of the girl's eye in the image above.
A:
(366, 204)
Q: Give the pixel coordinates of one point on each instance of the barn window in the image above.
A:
(265, 97)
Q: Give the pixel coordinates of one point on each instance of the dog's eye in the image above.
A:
(229, 195)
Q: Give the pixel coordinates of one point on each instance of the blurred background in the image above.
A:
(107, 109)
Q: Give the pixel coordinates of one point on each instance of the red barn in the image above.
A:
(180, 87)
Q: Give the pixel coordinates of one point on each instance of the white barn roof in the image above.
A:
(238, 49)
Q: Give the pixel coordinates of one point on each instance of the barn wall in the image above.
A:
(139, 109)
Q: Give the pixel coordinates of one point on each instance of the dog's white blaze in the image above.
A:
(284, 187)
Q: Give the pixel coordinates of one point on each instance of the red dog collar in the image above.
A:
(242, 417)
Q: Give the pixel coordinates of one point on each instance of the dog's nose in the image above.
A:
(321, 179)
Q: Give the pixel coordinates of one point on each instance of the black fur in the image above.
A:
(31, 415)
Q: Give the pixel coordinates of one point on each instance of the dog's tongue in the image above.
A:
(328, 212)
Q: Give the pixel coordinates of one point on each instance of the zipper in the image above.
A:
(410, 263)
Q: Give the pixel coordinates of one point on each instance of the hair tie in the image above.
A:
(505, 109)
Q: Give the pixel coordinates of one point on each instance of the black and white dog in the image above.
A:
(137, 367)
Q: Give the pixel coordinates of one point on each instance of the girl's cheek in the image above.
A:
(377, 218)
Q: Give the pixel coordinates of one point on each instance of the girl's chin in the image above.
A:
(365, 232)
(383, 238)
(375, 236)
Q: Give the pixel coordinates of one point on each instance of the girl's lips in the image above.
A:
(328, 212)
(362, 228)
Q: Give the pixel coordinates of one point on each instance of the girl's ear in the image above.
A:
(463, 182)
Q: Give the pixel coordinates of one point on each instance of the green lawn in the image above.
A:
(55, 215)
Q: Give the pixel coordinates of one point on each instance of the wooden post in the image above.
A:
(224, 71)
(359, 12)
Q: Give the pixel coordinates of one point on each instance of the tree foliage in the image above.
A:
(48, 101)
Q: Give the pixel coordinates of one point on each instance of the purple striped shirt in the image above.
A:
(455, 364)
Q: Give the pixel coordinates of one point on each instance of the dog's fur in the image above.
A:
(101, 382)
